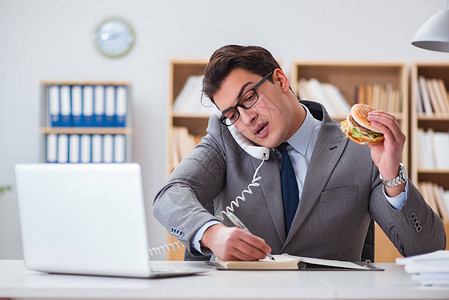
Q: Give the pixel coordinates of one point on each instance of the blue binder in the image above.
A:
(99, 114)
(87, 116)
(51, 144)
(63, 148)
(121, 106)
(110, 106)
(86, 148)
(65, 106)
(77, 105)
(53, 105)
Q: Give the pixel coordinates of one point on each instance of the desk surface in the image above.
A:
(393, 283)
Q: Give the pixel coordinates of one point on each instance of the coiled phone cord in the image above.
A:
(229, 209)
(254, 183)
(166, 248)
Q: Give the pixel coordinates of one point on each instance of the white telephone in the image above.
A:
(258, 152)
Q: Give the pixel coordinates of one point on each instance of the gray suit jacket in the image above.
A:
(341, 191)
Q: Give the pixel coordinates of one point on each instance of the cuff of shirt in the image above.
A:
(398, 201)
(199, 235)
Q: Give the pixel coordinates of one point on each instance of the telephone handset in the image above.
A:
(258, 152)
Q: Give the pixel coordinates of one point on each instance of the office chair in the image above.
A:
(368, 245)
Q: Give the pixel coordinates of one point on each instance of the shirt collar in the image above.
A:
(301, 138)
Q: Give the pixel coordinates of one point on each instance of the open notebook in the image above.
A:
(290, 262)
(86, 219)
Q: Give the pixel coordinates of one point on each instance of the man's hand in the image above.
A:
(232, 243)
(387, 155)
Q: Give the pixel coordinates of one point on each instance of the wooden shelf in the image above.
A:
(83, 82)
(86, 130)
(436, 122)
(346, 76)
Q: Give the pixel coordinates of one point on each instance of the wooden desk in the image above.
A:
(393, 283)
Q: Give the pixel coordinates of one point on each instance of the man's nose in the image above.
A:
(248, 116)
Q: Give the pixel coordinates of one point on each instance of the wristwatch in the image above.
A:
(400, 179)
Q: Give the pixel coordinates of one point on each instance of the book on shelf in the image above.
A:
(183, 143)
(191, 99)
(291, 262)
(325, 93)
(433, 99)
(437, 198)
(432, 149)
(381, 96)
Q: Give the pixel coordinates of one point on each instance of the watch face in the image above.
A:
(114, 37)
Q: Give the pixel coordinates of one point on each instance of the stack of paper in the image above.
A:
(429, 269)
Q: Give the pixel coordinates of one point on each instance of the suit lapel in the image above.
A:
(269, 184)
(328, 149)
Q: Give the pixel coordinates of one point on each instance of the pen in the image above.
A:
(240, 225)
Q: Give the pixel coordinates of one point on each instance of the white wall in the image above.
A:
(50, 40)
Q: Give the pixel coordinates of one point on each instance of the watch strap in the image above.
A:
(400, 179)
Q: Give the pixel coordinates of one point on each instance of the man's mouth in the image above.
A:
(261, 128)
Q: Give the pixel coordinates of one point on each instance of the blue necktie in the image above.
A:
(290, 194)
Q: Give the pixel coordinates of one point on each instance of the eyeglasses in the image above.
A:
(246, 101)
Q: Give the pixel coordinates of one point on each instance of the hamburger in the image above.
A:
(358, 128)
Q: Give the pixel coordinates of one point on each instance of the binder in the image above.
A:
(65, 106)
(77, 105)
(88, 107)
(99, 106)
(121, 106)
(97, 148)
(63, 149)
(53, 106)
(74, 148)
(108, 148)
(119, 148)
(85, 148)
(51, 146)
(110, 106)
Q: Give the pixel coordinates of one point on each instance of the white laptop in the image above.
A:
(85, 219)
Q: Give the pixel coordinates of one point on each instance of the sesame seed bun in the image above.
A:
(358, 128)
(360, 114)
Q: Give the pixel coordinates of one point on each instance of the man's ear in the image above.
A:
(281, 80)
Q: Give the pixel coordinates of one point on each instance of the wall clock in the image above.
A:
(114, 37)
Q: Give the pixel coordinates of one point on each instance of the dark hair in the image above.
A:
(254, 59)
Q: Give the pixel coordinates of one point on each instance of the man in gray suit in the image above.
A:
(337, 181)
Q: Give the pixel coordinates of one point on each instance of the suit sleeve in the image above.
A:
(180, 206)
(414, 229)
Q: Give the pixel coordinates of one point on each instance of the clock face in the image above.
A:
(114, 37)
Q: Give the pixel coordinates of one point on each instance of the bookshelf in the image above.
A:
(436, 121)
(195, 123)
(358, 81)
(75, 128)
(347, 77)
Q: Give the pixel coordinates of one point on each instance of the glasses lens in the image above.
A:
(230, 117)
(249, 98)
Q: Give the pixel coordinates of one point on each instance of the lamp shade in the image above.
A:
(434, 34)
